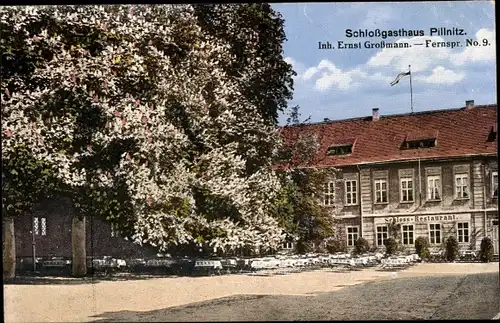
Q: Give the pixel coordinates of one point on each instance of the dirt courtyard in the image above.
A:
(71, 300)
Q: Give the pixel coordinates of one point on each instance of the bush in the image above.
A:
(391, 246)
(486, 251)
(361, 246)
(304, 247)
(334, 246)
(451, 248)
(422, 247)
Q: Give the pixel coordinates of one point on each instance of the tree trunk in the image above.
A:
(79, 252)
(9, 248)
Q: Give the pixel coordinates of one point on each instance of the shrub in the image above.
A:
(451, 248)
(361, 246)
(486, 251)
(391, 246)
(304, 247)
(422, 247)
(333, 246)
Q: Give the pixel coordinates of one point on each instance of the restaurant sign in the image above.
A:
(429, 218)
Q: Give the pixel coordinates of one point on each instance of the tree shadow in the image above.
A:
(474, 296)
(90, 279)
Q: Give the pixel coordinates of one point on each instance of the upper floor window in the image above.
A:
(461, 186)
(351, 192)
(406, 189)
(421, 139)
(492, 136)
(329, 194)
(381, 190)
(434, 188)
(339, 150)
(40, 226)
(425, 143)
(494, 184)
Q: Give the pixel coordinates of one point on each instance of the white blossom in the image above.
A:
(146, 116)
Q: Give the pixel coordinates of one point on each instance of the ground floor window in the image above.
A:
(114, 230)
(40, 226)
(288, 245)
(382, 235)
(435, 233)
(463, 232)
(352, 235)
(408, 232)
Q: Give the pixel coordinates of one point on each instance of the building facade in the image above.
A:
(430, 174)
(48, 229)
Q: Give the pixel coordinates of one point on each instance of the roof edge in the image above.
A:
(483, 106)
(395, 161)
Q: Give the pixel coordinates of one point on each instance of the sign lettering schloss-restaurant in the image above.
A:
(429, 218)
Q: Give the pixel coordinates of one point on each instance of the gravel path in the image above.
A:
(435, 291)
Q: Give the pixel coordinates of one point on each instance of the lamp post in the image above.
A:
(33, 242)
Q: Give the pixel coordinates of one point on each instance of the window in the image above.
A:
(492, 136)
(339, 150)
(35, 226)
(40, 223)
(351, 192)
(329, 193)
(352, 235)
(381, 191)
(433, 188)
(288, 245)
(415, 144)
(463, 232)
(407, 189)
(435, 233)
(461, 186)
(382, 235)
(44, 226)
(114, 230)
(407, 230)
(494, 185)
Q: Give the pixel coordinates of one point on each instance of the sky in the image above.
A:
(348, 83)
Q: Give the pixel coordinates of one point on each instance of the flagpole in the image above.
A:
(411, 90)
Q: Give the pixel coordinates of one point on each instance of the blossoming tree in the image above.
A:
(131, 111)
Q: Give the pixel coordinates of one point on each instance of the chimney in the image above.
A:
(469, 104)
(375, 115)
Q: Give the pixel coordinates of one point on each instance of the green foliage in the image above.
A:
(298, 209)
(394, 229)
(391, 246)
(361, 246)
(336, 245)
(486, 251)
(451, 248)
(304, 247)
(422, 247)
(271, 87)
(24, 182)
(272, 90)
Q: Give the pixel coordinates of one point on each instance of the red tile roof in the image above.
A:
(459, 132)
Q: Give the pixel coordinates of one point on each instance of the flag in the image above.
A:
(399, 77)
